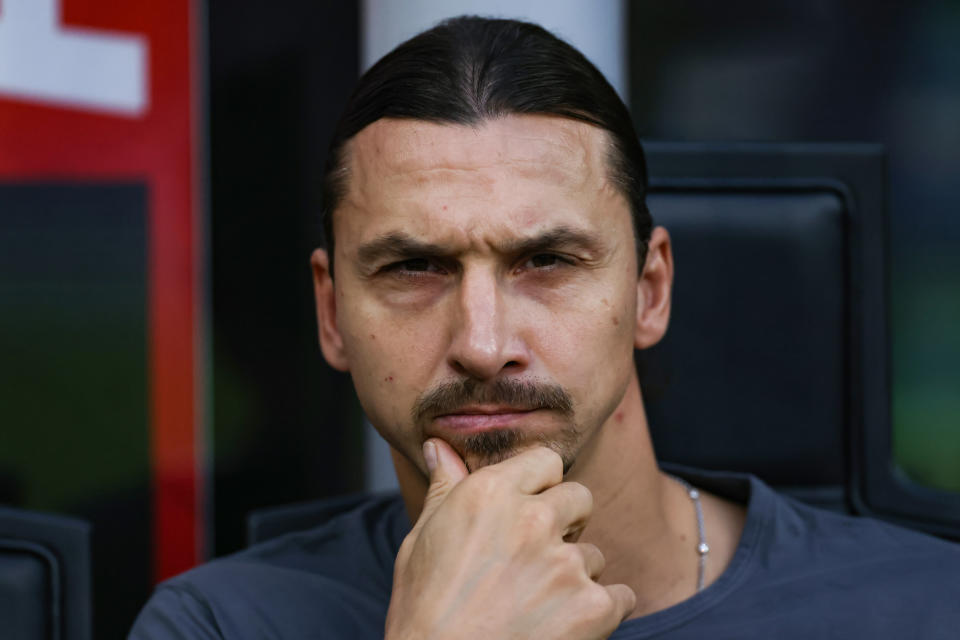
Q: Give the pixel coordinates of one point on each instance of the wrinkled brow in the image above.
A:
(558, 238)
(397, 245)
(402, 245)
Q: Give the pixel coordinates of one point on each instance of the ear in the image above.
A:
(325, 299)
(653, 291)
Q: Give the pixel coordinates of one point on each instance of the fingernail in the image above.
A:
(430, 455)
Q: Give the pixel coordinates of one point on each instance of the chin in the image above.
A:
(485, 448)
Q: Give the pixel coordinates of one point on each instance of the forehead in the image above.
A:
(517, 168)
(549, 147)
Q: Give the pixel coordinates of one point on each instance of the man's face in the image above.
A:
(486, 285)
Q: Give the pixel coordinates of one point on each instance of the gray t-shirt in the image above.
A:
(798, 572)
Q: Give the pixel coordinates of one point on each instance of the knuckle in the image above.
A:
(550, 458)
(543, 457)
(594, 553)
(536, 518)
(570, 559)
(597, 602)
(484, 483)
(582, 492)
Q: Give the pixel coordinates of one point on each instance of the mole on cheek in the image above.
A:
(616, 321)
(373, 337)
(388, 379)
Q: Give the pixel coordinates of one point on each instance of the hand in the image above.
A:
(488, 558)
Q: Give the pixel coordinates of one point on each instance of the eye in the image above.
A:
(545, 261)
(414, 266)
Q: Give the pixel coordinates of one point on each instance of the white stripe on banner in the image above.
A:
(90, 69)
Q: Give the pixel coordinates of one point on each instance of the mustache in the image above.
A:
(527, 395)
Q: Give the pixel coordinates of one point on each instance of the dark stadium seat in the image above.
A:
(45, 577)
(777, 357)
(759, 370)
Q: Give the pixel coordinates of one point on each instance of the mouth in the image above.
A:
(481, 418)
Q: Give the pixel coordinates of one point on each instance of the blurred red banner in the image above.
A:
(94, 91)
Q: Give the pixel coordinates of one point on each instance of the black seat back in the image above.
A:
(761, 369)
(777, 358)
(45, 577)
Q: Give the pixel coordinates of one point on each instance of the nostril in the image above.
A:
(512, 363)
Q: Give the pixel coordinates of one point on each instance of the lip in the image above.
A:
(473, 419)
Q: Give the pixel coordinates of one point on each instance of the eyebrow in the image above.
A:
(561, 237)
(398, 244)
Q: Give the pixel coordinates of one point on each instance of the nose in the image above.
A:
(485, 340)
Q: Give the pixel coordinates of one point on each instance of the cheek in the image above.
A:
(377, 342)
(391, 362)
(588, 346)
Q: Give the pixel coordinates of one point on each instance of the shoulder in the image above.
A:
(887, 578)
(818, 535)
(805, 572)
(790, 542)
(334, 579)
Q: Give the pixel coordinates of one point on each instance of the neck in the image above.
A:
(643, 522)
(641, 519)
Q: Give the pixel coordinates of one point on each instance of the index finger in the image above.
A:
(533, 470)
(624, 601)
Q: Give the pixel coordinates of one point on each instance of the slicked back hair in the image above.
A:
(467, 70)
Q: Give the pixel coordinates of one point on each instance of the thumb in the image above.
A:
(446, 468)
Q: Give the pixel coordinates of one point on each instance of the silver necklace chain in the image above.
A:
(702, 547)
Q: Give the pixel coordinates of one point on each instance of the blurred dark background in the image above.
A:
(287, 428)
(827, 71)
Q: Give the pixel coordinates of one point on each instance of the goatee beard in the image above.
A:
(493, 446)
(490, 447)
